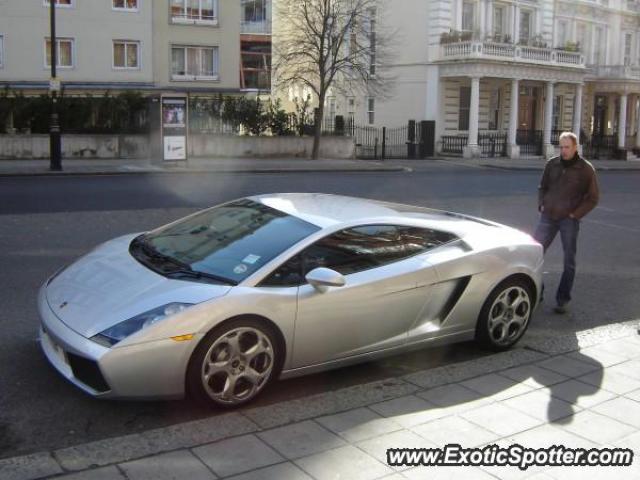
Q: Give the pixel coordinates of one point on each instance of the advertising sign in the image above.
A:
(174, 128)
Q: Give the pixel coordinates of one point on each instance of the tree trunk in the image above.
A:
(317, 130)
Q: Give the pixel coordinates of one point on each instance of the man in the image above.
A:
(567, 192)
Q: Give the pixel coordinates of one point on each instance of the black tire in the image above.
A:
(501, 334)
(219, 344)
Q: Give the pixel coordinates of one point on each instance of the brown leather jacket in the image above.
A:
(564, 191)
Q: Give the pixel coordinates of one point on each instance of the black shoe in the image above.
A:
(561, 308)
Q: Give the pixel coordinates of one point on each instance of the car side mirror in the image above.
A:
(321, 278)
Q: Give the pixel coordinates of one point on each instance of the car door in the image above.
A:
(387, 284)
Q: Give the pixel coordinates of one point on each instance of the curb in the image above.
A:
(203, 171)
(258, 419)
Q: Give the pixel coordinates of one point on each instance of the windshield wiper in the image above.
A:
(189, 272)
(182, 269)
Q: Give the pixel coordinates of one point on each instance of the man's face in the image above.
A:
(567, 148)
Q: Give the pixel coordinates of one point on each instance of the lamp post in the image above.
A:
(55, 153)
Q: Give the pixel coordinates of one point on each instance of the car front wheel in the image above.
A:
(505, 315)
(234, 363)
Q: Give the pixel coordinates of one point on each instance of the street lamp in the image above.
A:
(55, 153)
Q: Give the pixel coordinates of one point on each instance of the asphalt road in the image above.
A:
(46, 222)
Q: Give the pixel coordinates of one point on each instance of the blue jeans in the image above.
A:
(545, 234)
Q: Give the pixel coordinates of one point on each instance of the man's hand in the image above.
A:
(541, 208)
(571, 215)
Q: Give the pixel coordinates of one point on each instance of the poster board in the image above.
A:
(174, 114)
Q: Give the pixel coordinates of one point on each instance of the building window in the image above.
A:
(372, 41)
(330, 111)
(256, 16)
(1, 51)
(561, 35)
(59, 3)
(194, 11)
(600, 46)
(627, 48)
(525, 26)
(64, 52)
(499, 21)
(128, 5)
(494, 109)
(371, 110)
(465, 105)
(194, 63)
(583, 39)
(351, 109)
(557, 113)
(468, 12)
(126, 54)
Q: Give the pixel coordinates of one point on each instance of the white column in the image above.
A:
(489, 18)
(459, 15)
(549, 150)
(472, 149)
(516, 23)
(513, 150)
(577, 110)
(622, 121)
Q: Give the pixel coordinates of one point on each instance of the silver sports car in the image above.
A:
(222, 302)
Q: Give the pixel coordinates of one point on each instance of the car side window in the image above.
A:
(361, 248)
(289, 274)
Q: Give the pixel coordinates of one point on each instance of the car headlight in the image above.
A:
(122, 330)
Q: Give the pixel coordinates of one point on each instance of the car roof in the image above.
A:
(328, 210)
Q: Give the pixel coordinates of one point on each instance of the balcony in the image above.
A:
(489, 50)
(616, 72)
(256, 28)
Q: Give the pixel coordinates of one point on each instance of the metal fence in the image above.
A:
(493, 144)
(530, 142)
(453, 144)
(599, 146)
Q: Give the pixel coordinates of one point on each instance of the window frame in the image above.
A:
(185, 20)
(472, 6)
(530, 26)
(371, 111)
(195, 78)
(126, 43)
(125, 8)
(1, 50)
(499, 7)
(464, 119)
(557, 112)
(302, 262)
(58, 41)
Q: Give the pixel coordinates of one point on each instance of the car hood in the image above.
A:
(108, 286)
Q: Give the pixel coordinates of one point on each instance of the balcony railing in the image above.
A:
(506, 51)
(260, 28)
(616, 71)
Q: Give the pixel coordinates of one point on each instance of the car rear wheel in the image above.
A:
(505, 315)
(234, 363)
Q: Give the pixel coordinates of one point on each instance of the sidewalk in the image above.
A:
(538, 164)
(198, 165)
(580, 391)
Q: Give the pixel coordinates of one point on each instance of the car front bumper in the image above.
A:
(152, 370)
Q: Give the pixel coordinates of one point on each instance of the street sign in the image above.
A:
(54, 85)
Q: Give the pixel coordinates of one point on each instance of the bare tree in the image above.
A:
(330, 44)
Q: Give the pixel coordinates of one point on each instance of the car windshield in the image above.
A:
(228, 242)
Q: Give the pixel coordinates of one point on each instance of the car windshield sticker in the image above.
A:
(240, 269)
(251, 259)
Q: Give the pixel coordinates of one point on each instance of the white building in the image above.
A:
(513, 73)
